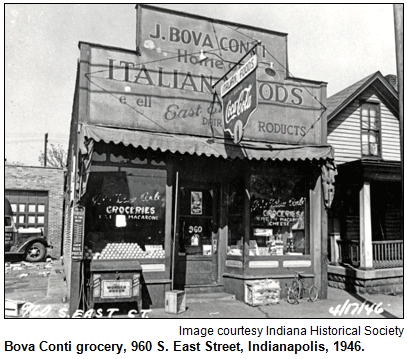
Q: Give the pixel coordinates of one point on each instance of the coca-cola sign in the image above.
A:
(239, 95)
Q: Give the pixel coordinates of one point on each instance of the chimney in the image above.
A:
(392, 80)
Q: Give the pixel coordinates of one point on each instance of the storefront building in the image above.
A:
(365, 222)
(172, 175)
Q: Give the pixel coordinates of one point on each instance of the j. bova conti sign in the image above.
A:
(165, 87)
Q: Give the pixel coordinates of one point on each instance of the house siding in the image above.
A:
(344, 132)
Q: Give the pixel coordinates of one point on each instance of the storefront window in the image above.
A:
(235, 208)
(126, 207)
(278, 212)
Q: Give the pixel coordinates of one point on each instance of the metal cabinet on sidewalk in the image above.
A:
(115, 282)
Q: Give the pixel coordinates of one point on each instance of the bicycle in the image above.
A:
(297, 289)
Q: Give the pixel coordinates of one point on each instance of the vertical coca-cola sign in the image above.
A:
(239, 98)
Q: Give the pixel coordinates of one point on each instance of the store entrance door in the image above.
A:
(196, 255)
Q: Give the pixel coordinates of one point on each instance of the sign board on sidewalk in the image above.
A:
(78, 232)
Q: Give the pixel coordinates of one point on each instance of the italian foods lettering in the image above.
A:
(239, 75)
(160, 77)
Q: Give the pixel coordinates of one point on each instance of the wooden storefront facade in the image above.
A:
(164, 180)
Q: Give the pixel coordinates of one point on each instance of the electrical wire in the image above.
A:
(288, 72)
(323, 107)
(145, 116)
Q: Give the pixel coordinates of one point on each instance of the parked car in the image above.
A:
(29, 243)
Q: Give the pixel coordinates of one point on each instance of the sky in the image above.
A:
(337, 44)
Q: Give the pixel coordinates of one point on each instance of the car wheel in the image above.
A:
(35, 252)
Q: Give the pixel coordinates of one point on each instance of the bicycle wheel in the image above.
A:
(293, 295)
(313, 293)
(298, 286)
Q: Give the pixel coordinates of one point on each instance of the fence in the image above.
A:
(386, 254)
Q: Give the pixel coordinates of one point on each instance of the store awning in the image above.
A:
(216, 147)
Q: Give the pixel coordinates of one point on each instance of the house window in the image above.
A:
(370, 122)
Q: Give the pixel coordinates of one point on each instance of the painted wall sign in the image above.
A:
(168, 89)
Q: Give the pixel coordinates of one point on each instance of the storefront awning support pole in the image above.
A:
(175, 232)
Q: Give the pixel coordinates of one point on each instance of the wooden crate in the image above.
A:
(262, 292)
(12, 308)
(175, 301)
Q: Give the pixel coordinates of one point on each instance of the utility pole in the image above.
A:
(399, 35)
(45, 149)
(399, 32)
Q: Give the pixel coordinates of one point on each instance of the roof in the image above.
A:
(336, 103)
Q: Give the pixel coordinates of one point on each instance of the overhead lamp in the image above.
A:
(270, 70)
(202, 56)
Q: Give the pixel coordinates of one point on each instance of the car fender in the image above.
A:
(23, 246)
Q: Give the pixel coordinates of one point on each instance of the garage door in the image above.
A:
(30, 208)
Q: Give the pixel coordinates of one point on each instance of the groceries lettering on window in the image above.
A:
(277, 213)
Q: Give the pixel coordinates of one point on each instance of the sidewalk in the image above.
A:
(221, 305)
(57, 293)
(339, 304)
(345, 303)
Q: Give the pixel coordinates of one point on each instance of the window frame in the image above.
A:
(378, 132)
(306, 208)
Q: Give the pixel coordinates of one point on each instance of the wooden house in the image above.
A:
(365, 222)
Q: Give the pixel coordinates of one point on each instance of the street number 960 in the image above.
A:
(195, 229)
(141, 346)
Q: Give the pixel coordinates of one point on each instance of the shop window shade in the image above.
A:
(216, 147)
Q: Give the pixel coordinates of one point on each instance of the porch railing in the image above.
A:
(388, 254)
(349, 252)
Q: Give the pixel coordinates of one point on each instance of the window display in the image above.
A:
(278, 206)
(235, 207)
(125, 216)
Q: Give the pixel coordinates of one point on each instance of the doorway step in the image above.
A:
(209, 297)
(203, 288)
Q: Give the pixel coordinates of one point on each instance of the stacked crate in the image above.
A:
(175, 301)
(262, 292)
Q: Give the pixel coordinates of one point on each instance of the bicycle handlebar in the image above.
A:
(292, 270)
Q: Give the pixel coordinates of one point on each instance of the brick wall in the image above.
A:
(42, 179)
